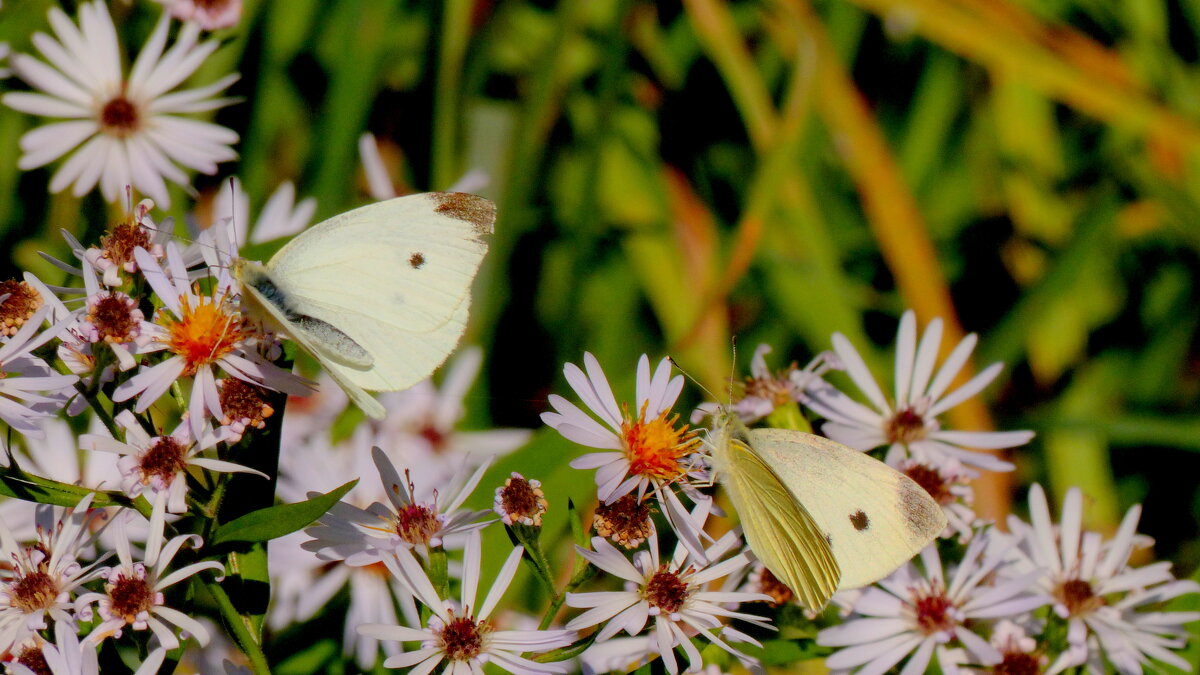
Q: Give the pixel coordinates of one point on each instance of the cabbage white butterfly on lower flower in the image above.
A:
(379, 295)
(821, 516)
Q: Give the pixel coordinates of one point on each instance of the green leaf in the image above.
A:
(18, 484)
(276, 521)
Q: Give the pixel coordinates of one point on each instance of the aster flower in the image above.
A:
(949, 483)
(207, 14)
(913, 615)
(29, 388)
(673, 594)
(128, 124)
(44, 576)
(1093, 589)
(643, 453)
(160, 463)
(200, 332)
(133, 591)
(625, 521)
(1020, 653)
(909, 424)
(365, 536)
(461, 634)
(764, 391)
(19, 301)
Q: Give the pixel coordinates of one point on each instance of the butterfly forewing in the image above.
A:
(876, 518)
(778, 528)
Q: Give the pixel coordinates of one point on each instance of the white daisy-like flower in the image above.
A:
(133, 591)
(282, 216)
(44, 576)
(644, 451)
(128, 124)
(461, 634)
(909, 424)
(764, 391)
(207, 14)
(913, 615)
(1021, 653)
(29, 388)
(160, 463)
(301, 583)
(1094, 590)
(66, 656)
(200, 332)
(673, 594)
(366, 536)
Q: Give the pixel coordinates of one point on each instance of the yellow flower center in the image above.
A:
(655, 447)
(204, 334)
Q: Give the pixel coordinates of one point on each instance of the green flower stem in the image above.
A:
(237, 627)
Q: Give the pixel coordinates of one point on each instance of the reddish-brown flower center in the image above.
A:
(120, 117)
(463, 638)
(165, 457)
(416, 523)
(33, 659)
(1018, 663)
(130, 596)
(777, 389)
(522, 501)
(436, 438)
(113, 315)
(204, 334)
(1078, 597)
(119, 243)
(626, 521)
(666, 591)
(769, 584)
(244, 402)
(21, 304)
(931, 480)
(933, 611)
(655, 447)
(905, 426)
(34, 591)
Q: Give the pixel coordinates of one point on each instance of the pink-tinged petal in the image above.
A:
(585, 389)
(919, 660)
(859, 631)
(836, 406)
(875, 602)
(854, 437)
(890, 649)
(857, 369)
(978, 647)
(951, 366)
(595, 460)
(906, 354)
(972, 387)
(151, 383)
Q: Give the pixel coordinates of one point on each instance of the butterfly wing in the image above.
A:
(393, 276)
(876, 518)
(778, 528)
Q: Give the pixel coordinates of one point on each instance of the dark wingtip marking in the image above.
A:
(919, 508)
(475, 210)
(859, 520)
(417, 260)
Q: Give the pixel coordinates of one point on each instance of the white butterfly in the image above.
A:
(379, 295)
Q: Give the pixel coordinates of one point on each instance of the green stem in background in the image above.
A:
(439, 571)
(581, 577)
(447, 97)
(235, 622)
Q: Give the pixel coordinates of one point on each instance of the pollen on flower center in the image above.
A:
(521, 501)
(165, 457)
(1018, 663)
(905, 426)
(120, 117)
(777, 389)
(1078, 597)
(34, 591)
(114, 316)
(666, 591)
(416, 523)
(205, 333)
(130, 596)
(655, 447)
(626, 521)
(127, 235)
(933, 611)
(463, 638)
(23, 302)
(244, 402)
(931, 480)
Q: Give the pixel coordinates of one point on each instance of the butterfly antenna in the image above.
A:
(732, 367)
(689, 376)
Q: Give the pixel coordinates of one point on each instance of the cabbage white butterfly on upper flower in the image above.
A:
(379, 295)
(821, 516)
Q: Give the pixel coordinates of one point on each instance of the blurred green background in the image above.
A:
(670, 175)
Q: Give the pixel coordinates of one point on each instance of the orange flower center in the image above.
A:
(655, 447)
(204, 334)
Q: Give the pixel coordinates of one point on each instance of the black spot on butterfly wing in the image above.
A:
(859, 520)
(416, 260)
